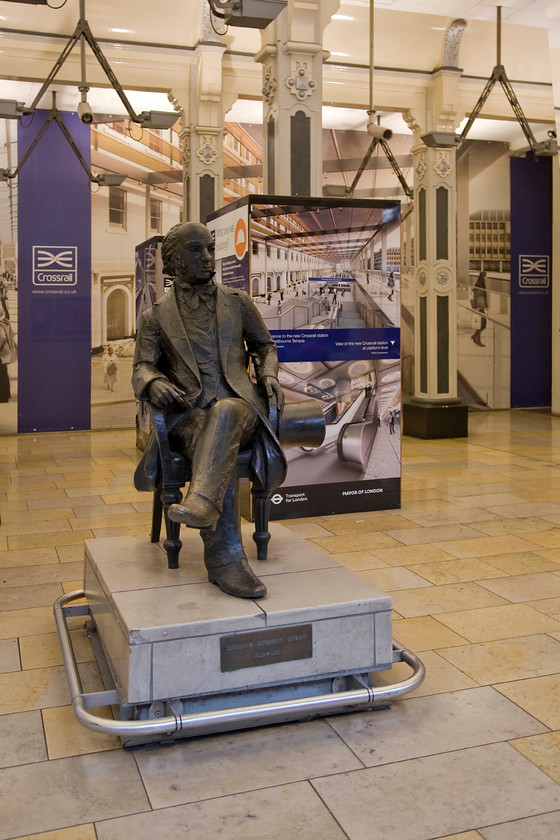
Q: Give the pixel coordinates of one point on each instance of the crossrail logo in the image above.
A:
(55, 265)
(534, 271)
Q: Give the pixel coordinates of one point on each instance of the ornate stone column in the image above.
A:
(202, 133)
(435, 410)
(292, 57)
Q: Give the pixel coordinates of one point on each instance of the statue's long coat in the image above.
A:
(163, 349)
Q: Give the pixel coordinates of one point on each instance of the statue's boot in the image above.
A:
(224, 556)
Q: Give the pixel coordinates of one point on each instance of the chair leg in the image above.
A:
(157, 513)
(172, 544)
(261, 513)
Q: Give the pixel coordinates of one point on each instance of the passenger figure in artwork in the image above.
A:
(191, 360)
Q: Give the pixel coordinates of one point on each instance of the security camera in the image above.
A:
(85, 113)
(379, 131)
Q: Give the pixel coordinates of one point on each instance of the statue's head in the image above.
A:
(188, 253)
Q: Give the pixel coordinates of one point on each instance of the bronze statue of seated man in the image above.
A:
(191, 359)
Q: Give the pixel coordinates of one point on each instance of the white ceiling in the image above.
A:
(149, 46)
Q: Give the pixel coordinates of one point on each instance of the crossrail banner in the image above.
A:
(54, 278)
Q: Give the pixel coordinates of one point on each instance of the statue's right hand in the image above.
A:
(162, 392)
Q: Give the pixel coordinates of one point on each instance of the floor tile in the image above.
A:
(506, 660)
(487, 500)
(424, 633)
(486, 546)
(232, 763)
(411, 555)
(458, 571)
(506, 622)
(76, 832)
(9, 655)
(450, 517)
(70, 553)
(433, 534)
(425, 726)
(287, 811)
(520, 588)
(497, 525)
(369, 521)
(66, 736)
(484, 785)
(549, 606)
(26, 622)
(544, 827)
(69, 791)
(310, 530)
(43, 650)
(441, 676)
(543, 751)
(30, 557)
(355, 542)
(546, 539)
(33, 518)
(42, 687)
(21, 739)
(480, 489)
(524, 509)
(540, 697)
(358, 560)
(431, 600)
(39, 595)
(34, 575)
(524, 563)
(388, 580)
(50, 538)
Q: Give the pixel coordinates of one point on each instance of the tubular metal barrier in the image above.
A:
(223, 720)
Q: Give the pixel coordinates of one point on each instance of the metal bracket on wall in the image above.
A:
(499, 75)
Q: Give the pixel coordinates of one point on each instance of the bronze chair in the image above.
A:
(302, 424)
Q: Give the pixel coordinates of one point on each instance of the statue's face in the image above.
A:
(195, 257)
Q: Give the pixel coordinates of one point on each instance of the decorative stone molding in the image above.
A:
(420, 168)
(422, 278)
(185, 137)
(269, 87)
(300, 82)
(443, 277)
(452, 43)
(414, 126)
(443, 166)
(207, 152)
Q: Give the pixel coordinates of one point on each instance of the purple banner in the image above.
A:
(54, 284)
(531, 281)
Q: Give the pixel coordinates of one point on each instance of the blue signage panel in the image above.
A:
(337, 345)
(54, 284)
(531, 293)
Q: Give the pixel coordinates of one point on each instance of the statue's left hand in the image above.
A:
(274, 392)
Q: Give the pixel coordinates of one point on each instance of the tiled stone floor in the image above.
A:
(472, 561)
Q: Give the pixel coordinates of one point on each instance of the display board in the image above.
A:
(317, 270)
